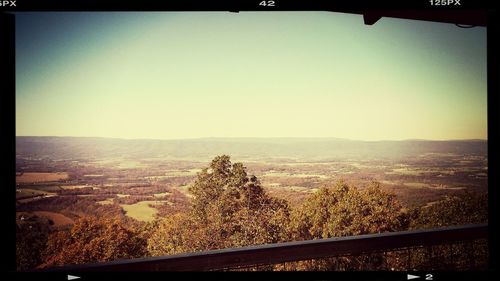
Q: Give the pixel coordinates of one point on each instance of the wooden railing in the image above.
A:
(290, 251)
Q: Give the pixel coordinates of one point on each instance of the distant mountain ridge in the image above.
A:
(248, 148)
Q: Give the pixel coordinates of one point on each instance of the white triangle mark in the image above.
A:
(412, 276)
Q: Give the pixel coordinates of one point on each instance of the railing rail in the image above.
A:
(289, 251)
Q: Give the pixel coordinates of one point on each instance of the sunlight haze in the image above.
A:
(284, 74)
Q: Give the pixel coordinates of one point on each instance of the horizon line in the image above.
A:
(287, 137)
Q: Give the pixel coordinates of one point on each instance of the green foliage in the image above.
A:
(344, 210)
(229, 209)
(461, 209)
(464, 208)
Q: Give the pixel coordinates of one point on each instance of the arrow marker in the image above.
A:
(71, 277)
(412, 276)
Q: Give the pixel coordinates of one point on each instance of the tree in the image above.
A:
(461, 209)
(91, 240)
(31, 236)
(174, 234)
(344, 211)
(229, 209)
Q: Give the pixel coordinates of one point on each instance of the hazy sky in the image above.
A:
(248, 74)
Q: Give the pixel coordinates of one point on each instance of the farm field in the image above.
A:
(34, 177)
(141, 187)
(142, 211)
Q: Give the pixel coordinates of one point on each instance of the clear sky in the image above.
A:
(248, 74)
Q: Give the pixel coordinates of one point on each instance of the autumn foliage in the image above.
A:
(92, 240)
(229, 208)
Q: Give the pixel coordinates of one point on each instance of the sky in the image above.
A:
(168, 75)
